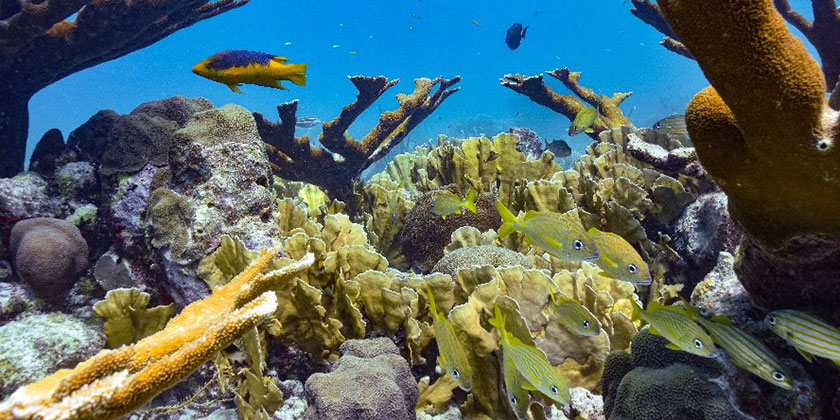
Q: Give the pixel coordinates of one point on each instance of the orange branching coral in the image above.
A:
(610, 115)
(39, 45)
(766, 134)
(295, 159)
(115, 382)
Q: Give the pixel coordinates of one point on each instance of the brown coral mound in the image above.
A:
(49, 254)
(426, 234)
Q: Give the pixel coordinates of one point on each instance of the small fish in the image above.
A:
(307, 122)
(575, 316)
(288, 43)
(809, 335)
(675, 325)
(619, 259)
(583, 121)
(353, 53)
(515, 35)
(336, 45)
(475, 22)
(415, 15)
(492, 156)
(236, 67)
(560, 235)
(531, 363)
(452, 356)
(674, 126)
(518, 397)
(560, 148)
(745, 349)
(450, 203)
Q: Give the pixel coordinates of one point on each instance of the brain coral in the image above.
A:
(463, 258)
(49, 254)
(426, 234)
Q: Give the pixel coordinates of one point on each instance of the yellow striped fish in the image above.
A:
(452, 356)
(675, 325)
(674, 126)
(745, 349)
(809, 335)
(560, 235)
(575, 316)
(531, 363)
(619, 259)
(518, 397)
(450, 203)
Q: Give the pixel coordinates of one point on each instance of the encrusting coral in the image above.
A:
(609, 113)
(115, 382)
(42, 42)
(295, 159)
(766, 134)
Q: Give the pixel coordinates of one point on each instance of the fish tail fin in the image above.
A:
(508, 220)
(498, 320)
(469, 203)
(637, 310)
(298, 73)
(432, 305)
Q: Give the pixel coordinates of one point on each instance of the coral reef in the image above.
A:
(776, 94)
(822, 32)
(115, 382)
(49, 255)
(654, 381)
(609, 114)
(48, 150)
(371, 381)
(425, 234)
(23, 197)
(295, 159)
(43, 42)
(127, 319)
(39, 344)
(468, 257)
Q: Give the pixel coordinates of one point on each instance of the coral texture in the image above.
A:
(370, 382)
(48, 254)
(779, 164)
(295, 159)
(43, 42)
(115, 382)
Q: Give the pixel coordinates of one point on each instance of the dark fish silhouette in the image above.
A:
(515, 35)
(559, 147)
(493, 156)
(307, 122)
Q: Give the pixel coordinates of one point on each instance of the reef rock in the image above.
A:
(370, 382)
(426, 234)
(14, 299)
(24, 197)
(47, 152)
(48, 254)
(656, 382)
(529, 142)
(35, 346)
(720, 293)
(76, 180)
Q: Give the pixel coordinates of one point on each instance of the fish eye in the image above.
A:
(554, 390)
(779, 376)
(456, 374)
(632, 268)
(771, 320)
(823, 145)
(698, 343)
(578, 244)
(586, 324)
(513, 399)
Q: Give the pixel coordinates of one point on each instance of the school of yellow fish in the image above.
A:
(526, 368)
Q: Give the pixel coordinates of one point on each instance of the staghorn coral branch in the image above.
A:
(295, 159)
(650, 13)
(610, 115)
(115, 382)
(676, 47)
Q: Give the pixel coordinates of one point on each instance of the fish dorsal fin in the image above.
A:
(530, 214)
(278, 59)
(721, 319)
(654, 306)
(528, 387)
(593, 231)
(807, 356)
(673, 346)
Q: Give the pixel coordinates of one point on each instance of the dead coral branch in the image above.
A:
(610, 115)
(294, 158)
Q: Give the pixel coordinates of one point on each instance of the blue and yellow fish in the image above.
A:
(745, 349)
(452, 356)
(809, 335)
(450, 203)
(531, 363)
(675, 325)
(619, 259)
(518, 397)
(575, 316)
(236, 67)
(560, 235)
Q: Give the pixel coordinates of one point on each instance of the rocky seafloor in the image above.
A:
(137, 216)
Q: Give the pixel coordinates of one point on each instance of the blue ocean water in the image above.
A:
(405, 39)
